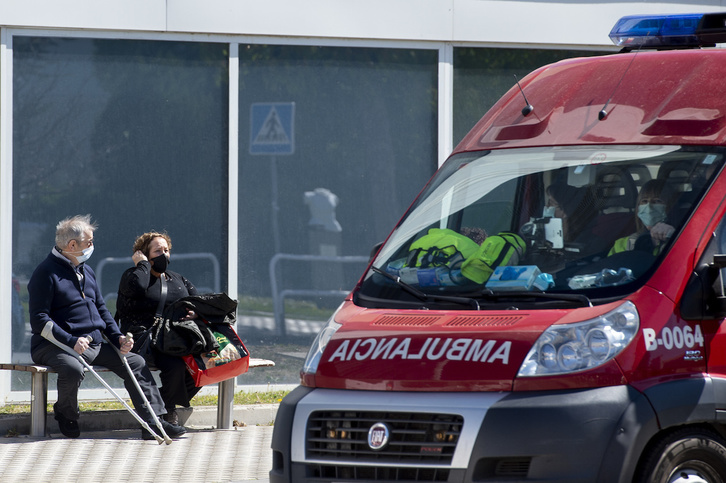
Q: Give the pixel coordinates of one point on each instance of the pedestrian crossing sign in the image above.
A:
(272, 128)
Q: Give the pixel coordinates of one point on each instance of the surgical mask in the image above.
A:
(548, 212)
(160, 263)
(652, 213)
(85, 254)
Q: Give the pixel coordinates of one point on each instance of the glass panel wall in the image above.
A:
(365, 142)
(132, 132)
(334, 144)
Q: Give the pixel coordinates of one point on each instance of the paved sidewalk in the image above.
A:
(202, 455)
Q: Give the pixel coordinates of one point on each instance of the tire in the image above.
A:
(691, 455)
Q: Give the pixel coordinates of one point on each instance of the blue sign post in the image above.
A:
(272, 132)
(272, 128)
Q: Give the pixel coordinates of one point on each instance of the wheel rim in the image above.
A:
(688, 473)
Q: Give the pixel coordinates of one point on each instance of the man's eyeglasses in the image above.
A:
(86, 243)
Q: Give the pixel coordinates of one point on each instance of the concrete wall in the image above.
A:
(459, 21)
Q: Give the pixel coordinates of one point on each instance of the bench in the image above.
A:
(39, 393)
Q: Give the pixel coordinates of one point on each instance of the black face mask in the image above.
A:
(160, 263)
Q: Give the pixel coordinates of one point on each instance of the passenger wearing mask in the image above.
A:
(652, 229)
(140, 298)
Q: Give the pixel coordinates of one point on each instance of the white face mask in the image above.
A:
(652, 213)
(548, 212)
(85, 254)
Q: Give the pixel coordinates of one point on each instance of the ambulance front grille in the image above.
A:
(414, 438)
(382, 474)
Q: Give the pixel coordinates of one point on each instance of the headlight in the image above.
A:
(319, 344)
(576, 347)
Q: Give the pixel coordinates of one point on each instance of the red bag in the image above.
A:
(231, 360)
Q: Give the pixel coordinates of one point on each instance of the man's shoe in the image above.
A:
(172, 430)
(171, 417)
(69, 427)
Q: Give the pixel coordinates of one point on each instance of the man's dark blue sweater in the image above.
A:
(76, 308)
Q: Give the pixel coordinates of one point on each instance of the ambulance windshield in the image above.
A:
(590, 220)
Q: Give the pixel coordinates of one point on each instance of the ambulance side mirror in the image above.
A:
(703, 297)
(719, 260)
(376, 247)
(719, 263)
(717, 304)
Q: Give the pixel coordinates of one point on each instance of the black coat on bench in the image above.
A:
(174, 336)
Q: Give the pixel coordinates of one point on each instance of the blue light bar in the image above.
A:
(657, 31)
(683, 31)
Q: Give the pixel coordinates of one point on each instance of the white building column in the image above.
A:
(6, 204)
(225, 401)
(446, 102)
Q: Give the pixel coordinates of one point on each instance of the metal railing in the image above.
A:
(278, 296)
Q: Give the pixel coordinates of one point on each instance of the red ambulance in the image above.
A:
(550, 308)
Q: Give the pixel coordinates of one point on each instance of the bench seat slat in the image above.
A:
(254, 362)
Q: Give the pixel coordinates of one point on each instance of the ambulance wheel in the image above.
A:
(691, 455)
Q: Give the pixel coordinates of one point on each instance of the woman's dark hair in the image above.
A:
(578, 203)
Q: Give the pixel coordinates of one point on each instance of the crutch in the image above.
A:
(47, 333)
(167, 439)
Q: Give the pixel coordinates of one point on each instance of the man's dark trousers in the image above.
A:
(70, 375)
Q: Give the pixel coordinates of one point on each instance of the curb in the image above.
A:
(200, 417)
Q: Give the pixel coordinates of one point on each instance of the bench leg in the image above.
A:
(38, 404)
(225, 404)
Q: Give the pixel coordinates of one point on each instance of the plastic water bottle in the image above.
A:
(582, 281)
(609, 277)
(604, 278)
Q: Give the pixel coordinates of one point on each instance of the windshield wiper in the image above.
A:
(578, 298)
(424, 296)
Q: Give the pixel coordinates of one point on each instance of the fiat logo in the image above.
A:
(378, 436)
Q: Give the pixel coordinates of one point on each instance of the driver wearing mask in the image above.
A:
(652, 230)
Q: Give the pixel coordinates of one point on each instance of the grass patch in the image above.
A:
(242, 397)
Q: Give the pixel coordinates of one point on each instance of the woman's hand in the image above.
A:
(190, 315)
(661, 232)
(138, 256)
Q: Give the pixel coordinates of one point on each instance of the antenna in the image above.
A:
(526, 110)
(603, 112)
